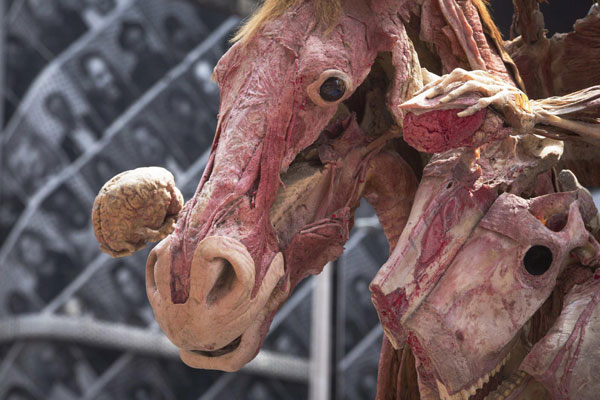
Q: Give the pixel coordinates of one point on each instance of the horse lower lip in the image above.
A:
(222, 351)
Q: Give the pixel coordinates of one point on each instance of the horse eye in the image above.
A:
(332, 89)
(537, 260)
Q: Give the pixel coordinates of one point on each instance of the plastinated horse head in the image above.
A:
(474, 285)
(303, 134)
(288, 167)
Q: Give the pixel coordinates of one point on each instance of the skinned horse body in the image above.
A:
(318, 101)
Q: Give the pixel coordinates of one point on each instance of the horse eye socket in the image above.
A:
(332, 89)
(537, 260)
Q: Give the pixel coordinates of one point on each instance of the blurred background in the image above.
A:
(91, 88)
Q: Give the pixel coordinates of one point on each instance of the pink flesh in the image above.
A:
(318, 233)
(446, 26)
(461, 330)
(434, 127)
(267, 118)
(243, 174)
(467, 326)
(437, 131)
(455, 193)
(566, 360)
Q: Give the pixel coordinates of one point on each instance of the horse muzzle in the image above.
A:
(219, 325)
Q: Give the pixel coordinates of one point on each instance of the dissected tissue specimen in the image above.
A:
(493, 240)
(135, 207)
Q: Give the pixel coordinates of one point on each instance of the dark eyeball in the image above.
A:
(537, 260)
(333, 89)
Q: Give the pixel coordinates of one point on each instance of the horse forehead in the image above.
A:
(299, 29)
(345, 45)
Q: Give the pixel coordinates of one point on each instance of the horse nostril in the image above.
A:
(224, 282)
(222, 273)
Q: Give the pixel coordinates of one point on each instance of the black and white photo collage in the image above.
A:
(123, 84)
(93, 88)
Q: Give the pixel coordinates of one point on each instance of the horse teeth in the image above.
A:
(472, 390)
(444, 395)
(487, 377)
(480, 382)
(503, 391)
(496, 370)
